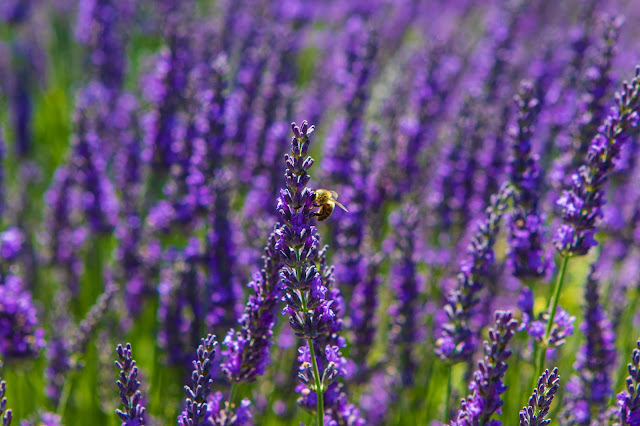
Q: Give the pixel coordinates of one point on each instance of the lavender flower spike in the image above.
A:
(629, 399)
(129, 385)
(457, 342)
(202, 383)
(309, 311)
(5, 415)
(535, 412)
(487, 385)
(582, 204)
(247, 350)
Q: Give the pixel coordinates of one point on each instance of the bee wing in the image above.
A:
(334, 195)
(341, 206)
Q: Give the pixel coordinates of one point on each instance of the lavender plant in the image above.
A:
(540, 402)
(130, 395)
(5, 414)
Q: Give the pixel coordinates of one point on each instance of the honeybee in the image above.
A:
(327, 201)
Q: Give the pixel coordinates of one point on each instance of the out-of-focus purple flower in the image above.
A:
(43, 419)
(526, 223)
(582, 203)
(535, 412)
(5, 415)
(309, 312)
(629, 399)
(130, 395)
(11, 242)
(182, 306)
(223, 414)
(224, 291)
(20, 336)
(247, 350)
(589, 391)
(406, 284)
(487, 385)
(101, 26)
(458, 342)
(561, 329)
(59, 360)
(15, 11)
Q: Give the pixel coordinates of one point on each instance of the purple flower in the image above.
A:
(561, 329)
(11, 242)
(43, 419)
(247, 350)
(595, 361)
(309, 312)
(458, 341)
(535, 412)
(526, 224)
(225, 414)
(487, 385)
(406, 284)
(19, 335)
(629, 399)
(130, 395)
(201, 383)
(5, 415)
(582, 203)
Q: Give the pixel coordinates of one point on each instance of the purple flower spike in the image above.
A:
(487, 385)
(5, 415)
(595, 362)
(247, 350)
(19, 335)
(130, 395)
(526, 224)
(202, 383)
(457, 342)
(582, 204)
(629, 399)
(535, 412)
(309, 312)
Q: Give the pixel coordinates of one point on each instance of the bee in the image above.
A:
(327, 201)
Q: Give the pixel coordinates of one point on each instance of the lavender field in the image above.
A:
(331, 213)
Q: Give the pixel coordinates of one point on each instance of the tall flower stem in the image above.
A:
(232, 393)
(447, 395)
(319, 390)
(553, 306)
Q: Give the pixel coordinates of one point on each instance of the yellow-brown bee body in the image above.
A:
(326, 200)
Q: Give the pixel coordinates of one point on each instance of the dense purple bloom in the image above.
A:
(458, 341)
(582, 204)
(406, 284)
(535, 412)
(5, 415)
(202, 383)
(130, 395)
(247, 350)
(561, 329)
(589, 391)
(204, 407)
(526, 223)
(309, 312)
(629, 399)
(487, 385)
(11, 242)
(101, 26)
(20, 336)
(181, 309)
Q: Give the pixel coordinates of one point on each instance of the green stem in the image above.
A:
(553, 307)
(319, 390)
(64, 397)
(447, 395)
(232, 395)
